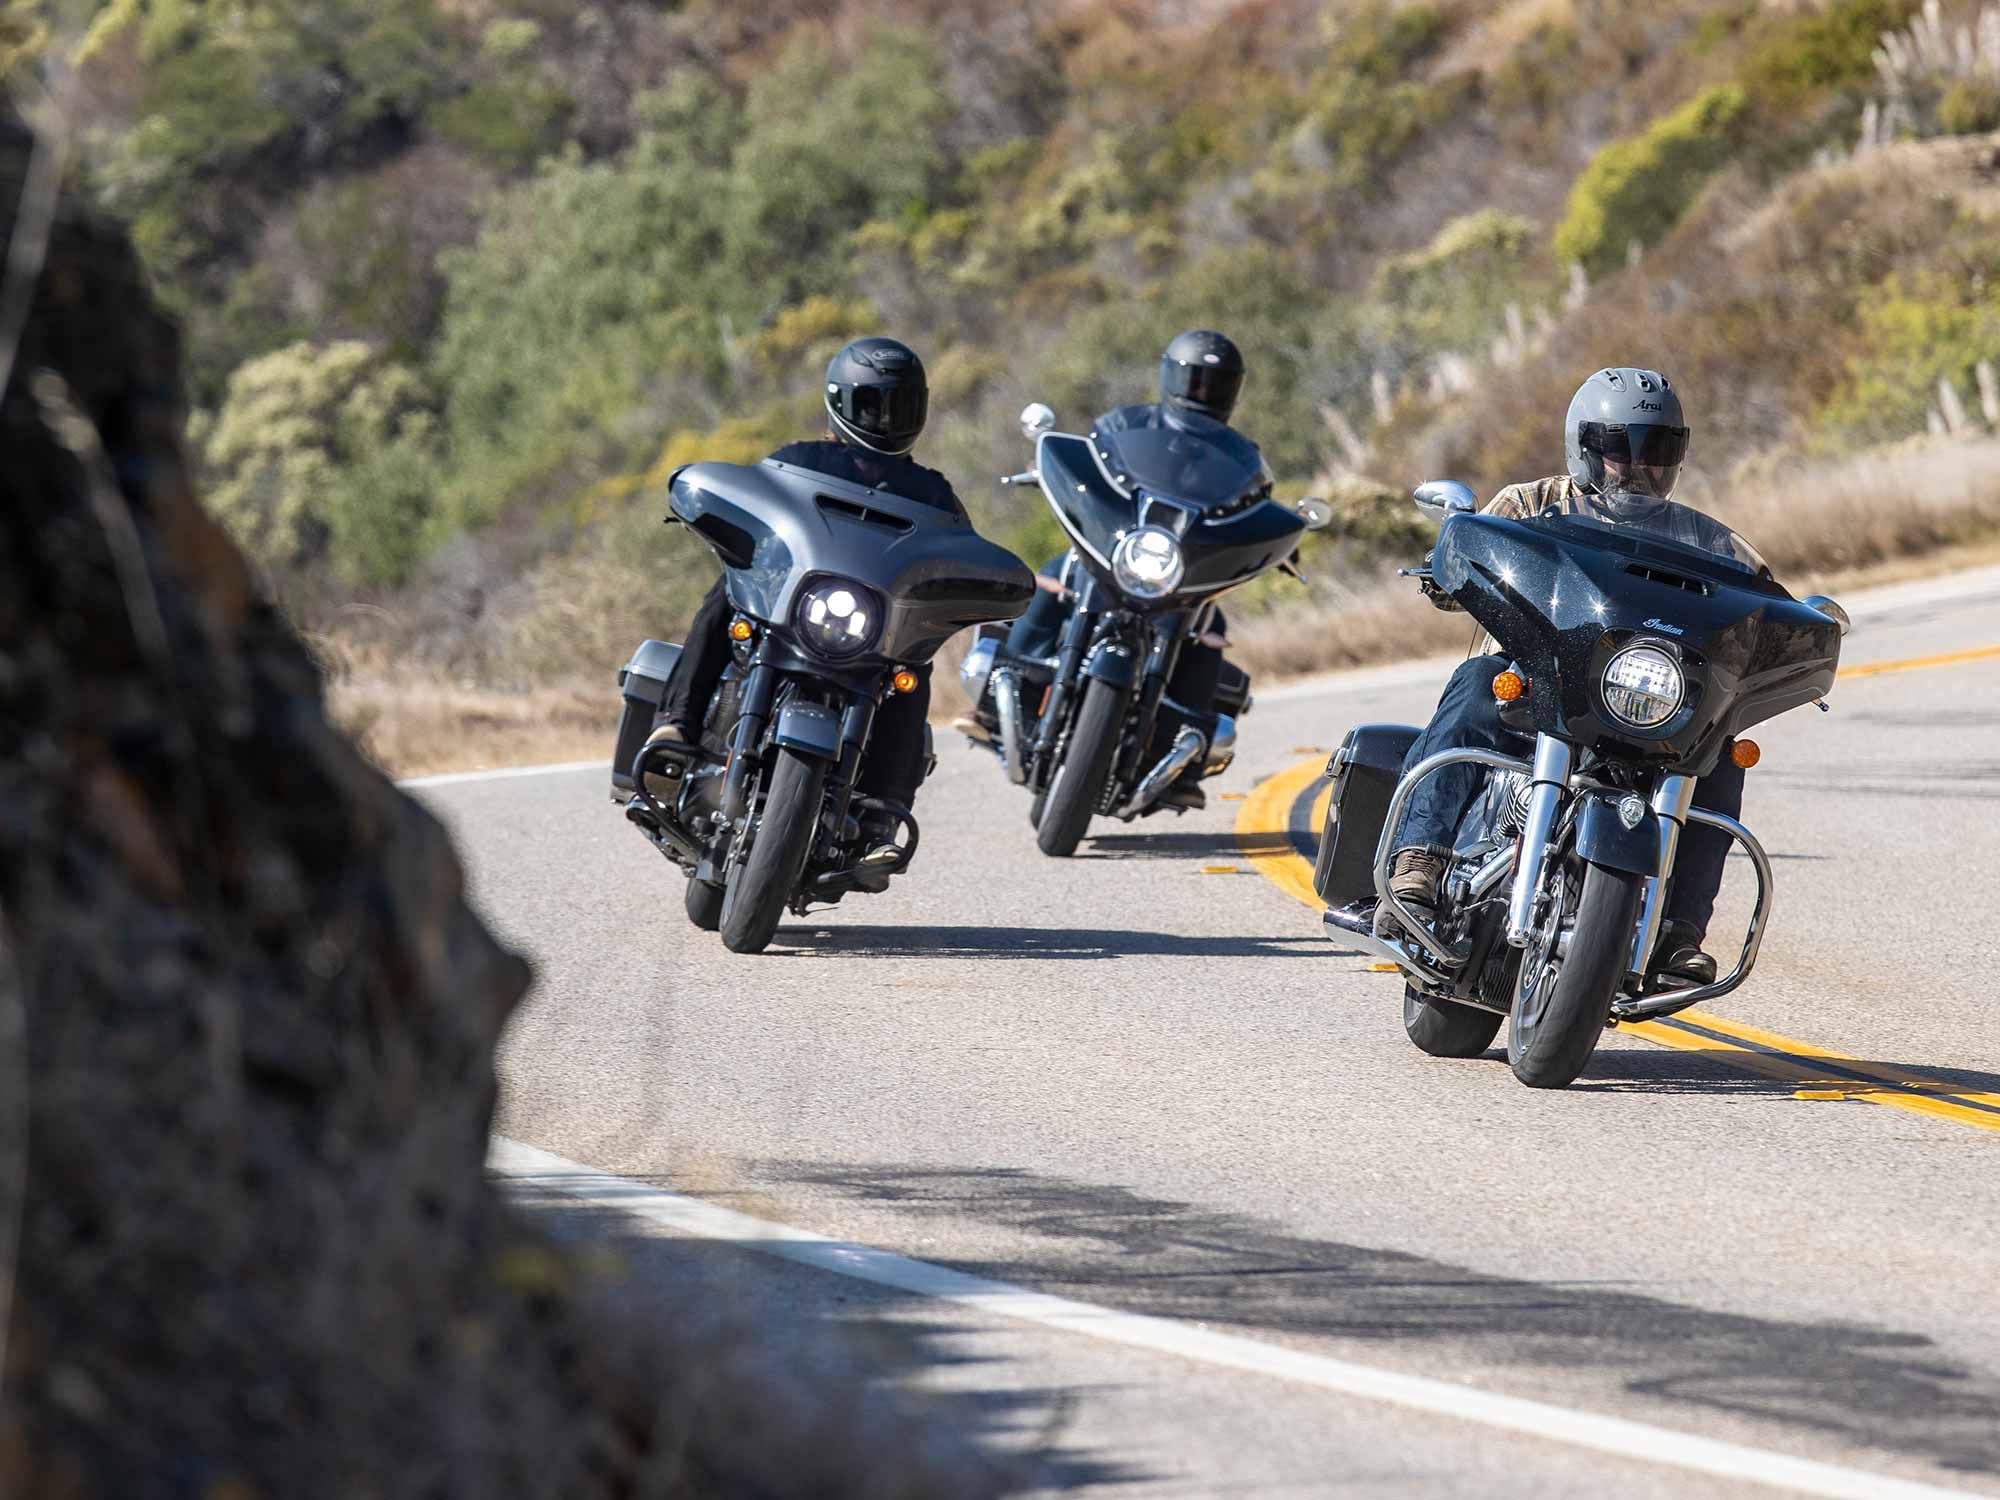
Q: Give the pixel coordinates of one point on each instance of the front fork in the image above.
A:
(1553, 758)
(1671, 800)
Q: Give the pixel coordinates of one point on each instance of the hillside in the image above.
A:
(463, 280)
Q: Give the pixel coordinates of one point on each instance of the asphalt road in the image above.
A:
(1144, 1080)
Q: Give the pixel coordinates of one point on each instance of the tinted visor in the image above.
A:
(888, 411)
(1635, 444)
(1207, 387)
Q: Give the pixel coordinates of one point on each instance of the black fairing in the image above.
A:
(777, 527)
(1562, 596)
(1218, 504)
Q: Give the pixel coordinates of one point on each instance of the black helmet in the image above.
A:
(877, 396)
(1201, 371)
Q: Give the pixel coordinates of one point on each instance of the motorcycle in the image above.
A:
(839, 591)
(1640, 653)
(1163, 517)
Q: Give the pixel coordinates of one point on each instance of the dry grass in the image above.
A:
(416, 725)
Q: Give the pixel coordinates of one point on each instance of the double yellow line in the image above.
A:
(1284, 814)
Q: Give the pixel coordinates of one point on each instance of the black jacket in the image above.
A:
(897, 474)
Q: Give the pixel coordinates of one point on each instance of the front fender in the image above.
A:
(1603, 839)
(809, 729)
(1111, 662)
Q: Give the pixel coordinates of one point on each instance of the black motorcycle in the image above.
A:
(839, 591)
(1164, 515)
(1640, 653)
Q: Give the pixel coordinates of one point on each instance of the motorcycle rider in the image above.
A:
(1625, 437)
(1201, 373)
(877, 398)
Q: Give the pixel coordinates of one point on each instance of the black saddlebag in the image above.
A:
(1365, 770)
(643, 681)
(1232, 691)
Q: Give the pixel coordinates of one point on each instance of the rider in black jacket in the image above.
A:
(877, 398)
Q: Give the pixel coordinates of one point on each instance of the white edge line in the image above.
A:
(504, 773)
(1617, 1436)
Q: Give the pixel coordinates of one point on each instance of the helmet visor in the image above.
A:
(1635, 458)
(895, 412)
(1208, 388)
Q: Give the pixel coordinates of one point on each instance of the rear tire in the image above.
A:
(1444, 1029)
(704, 904)
(762, 887)
(1079, 777)
(1561, 1004)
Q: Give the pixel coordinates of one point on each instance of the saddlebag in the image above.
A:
(643, 681)
(1232, 691)
(1365, 770)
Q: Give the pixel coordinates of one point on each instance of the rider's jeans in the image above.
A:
(1467, 718)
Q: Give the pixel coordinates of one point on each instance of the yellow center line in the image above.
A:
(1263, 830)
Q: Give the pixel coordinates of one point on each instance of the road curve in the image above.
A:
(1142, 1080)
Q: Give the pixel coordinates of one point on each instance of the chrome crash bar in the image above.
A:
(1649, 1007)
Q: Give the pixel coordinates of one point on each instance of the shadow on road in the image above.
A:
(1866, 1385)
(814, 1332)
(1037, 943)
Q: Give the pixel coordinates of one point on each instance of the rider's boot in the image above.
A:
(1413, 879)
(1678, 959)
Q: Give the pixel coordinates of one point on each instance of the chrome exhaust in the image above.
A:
(1188, 745)
(1007, 706)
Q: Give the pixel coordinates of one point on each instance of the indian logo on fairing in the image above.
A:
(1658, 624)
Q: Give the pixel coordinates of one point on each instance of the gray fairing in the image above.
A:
(777, 527)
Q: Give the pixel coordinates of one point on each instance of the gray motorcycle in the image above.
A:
(1639, 658)
(839, 592)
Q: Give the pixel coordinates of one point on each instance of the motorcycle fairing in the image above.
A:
(1221, 548)
(776, 527)
(1562, 597)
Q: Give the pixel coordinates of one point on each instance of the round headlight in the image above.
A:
(839, 619)
(1147, 563)
(1643, 686)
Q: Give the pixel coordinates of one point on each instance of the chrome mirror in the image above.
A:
(1036, 419)
(1442, 498)
(1831, 610)
(1317, 514)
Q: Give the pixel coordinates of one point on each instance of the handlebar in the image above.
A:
(1026, 476)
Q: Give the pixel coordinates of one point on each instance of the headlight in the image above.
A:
(838, 618)
(1643, 686)
(1147, 563)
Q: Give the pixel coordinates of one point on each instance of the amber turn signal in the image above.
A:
(1745, 753)
(905, 681)
(1508, 686)
(741, 630)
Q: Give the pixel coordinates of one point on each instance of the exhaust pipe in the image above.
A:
(1187, 746)
(1007, 705)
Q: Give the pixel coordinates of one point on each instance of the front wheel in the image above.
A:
(1444, 1029)
(1079, 776)
(762, 887)
(1564, 997)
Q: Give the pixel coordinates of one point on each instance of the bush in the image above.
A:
(1911, 333)
(1637, 188)
(1452, 293)
(324, 454)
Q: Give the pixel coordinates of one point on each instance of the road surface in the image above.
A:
(1144, 1084)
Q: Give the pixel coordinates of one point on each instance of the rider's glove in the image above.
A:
(1438, 597)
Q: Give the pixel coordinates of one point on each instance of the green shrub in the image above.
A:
(1969, 107)
(1820, 51)
(1637, 188)
(1454, 292)
(1370, 113)
(1910, 333)
(324, 454)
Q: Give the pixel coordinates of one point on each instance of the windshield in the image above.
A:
(1183, 456)
(1659, 520)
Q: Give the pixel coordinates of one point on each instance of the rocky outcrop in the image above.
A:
(248, 1025)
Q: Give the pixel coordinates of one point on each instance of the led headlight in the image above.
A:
(1147, 563)
(1643, 686)
(839, 619)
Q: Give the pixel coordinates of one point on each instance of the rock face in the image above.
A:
(258, 1254)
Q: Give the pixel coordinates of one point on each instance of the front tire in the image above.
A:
(1561, 1004)
(1444, 1029)
(1079, 777)
(761, 889)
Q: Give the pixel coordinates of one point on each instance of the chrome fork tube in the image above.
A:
(1671, 800)
(1007, 708)
(1551, 779)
